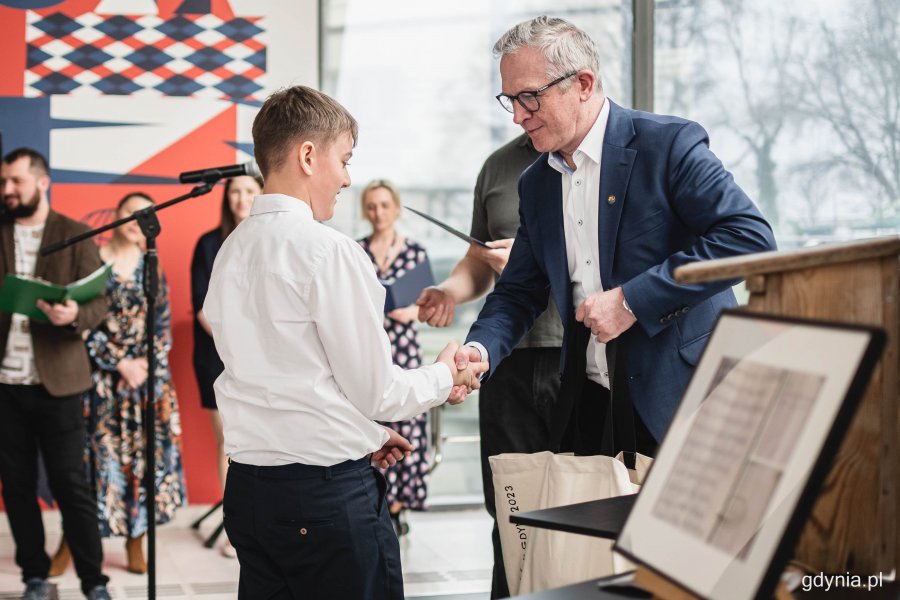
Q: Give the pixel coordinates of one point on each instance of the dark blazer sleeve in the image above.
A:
(519, 297)
(723, 220)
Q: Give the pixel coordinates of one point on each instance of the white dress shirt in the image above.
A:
(581, 210)
(296, 315)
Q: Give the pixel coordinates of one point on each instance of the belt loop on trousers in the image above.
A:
(327, 472)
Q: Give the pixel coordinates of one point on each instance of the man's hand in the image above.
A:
(605, 315)
(466, 355)
(467, 360)
(133, 372)
(394, 450)
(436, 307)
(59, 314)
(496, 256)
(405, 315)
(466, 377)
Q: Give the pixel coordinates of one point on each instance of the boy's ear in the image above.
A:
(306, 155)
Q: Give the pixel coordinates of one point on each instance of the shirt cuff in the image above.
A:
(481, 349)
(444, 381)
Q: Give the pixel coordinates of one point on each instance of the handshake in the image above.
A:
(466, 368)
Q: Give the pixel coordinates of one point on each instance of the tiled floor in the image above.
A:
(446, 555)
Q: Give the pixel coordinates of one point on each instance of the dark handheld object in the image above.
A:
(216, 173)
(456, 232)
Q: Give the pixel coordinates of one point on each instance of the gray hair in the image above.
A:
(565, 47)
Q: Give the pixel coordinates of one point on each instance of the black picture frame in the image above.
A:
(776, 534)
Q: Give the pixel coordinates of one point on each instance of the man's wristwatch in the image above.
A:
(628, 308)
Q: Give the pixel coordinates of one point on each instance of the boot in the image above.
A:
(60, 561)
(134, 547)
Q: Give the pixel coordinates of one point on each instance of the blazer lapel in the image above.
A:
(615, 172)
(554, 237)
(9, 248)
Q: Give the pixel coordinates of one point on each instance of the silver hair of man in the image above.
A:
(565, 47)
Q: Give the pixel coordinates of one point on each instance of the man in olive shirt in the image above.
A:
(516, 403)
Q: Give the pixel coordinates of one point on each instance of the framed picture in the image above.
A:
(747, 451)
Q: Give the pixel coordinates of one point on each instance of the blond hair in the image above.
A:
(292, 116)
(376, 184)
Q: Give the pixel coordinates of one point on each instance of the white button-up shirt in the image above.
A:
(581, 213)
(296, 315)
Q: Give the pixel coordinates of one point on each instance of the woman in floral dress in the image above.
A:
(114, 407)
(393, 255)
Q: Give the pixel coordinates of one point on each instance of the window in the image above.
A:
(801, 103)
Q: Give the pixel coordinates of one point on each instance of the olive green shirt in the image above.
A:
(495, 216)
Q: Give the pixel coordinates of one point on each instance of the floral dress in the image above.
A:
(407, 479)
(114, 413)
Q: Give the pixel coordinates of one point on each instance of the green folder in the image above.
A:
(19, 294)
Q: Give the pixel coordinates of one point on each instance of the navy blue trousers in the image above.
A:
(311, 532)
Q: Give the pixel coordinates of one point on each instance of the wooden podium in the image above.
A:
(854, 524)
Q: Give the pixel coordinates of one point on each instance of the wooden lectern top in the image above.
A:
(787, 260)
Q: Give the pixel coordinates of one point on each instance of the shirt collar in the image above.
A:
(270, 203)
(591, 146)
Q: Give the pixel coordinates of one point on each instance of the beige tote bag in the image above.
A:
(535, 558)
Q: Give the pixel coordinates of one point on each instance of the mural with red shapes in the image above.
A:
(123, 95)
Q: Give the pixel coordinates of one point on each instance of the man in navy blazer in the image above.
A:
(618, 199)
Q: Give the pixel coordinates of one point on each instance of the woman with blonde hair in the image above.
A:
(393, 255)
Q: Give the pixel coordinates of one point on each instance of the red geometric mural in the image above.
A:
(119, 100)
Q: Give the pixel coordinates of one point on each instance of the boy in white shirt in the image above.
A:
(296, 315)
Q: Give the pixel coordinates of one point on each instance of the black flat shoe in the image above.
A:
(401, 527)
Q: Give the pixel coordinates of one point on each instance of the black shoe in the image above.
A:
(401, 527)
(99, 593)
(36, 588)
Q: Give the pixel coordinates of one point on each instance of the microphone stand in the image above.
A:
(150, 227)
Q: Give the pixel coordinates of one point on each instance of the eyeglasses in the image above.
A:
(529, 100)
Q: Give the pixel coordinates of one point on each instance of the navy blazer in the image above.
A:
(665, 200)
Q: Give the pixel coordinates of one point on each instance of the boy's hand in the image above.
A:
(394, 450)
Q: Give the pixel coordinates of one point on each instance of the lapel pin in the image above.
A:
(611, 200)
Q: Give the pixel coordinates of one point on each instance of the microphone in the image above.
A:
(216, 173)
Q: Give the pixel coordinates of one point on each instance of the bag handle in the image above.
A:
(624, 435)
(620, 413)
(576, 341)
